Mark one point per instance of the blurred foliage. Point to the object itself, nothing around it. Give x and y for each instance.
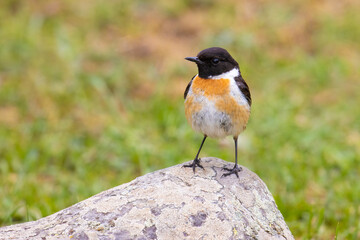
(91, 97)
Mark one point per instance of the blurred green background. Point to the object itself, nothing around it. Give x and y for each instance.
(91, 96)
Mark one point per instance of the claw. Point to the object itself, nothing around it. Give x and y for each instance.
(234, 170)
(194, 164)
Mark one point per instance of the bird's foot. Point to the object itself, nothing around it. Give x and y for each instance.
(233, 170)
(194, 164)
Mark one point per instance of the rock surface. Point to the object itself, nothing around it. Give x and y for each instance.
(172, 203)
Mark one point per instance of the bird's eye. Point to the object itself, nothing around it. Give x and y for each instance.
(215, 60)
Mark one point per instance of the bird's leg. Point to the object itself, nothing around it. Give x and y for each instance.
(236, 168)
(196, 162)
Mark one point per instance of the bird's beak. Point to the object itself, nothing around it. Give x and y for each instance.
(194, 59)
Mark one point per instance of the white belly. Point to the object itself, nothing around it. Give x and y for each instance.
(212, 122)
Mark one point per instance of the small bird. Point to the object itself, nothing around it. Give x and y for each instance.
(217, 100)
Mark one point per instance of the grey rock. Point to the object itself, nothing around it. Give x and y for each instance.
(172, 203)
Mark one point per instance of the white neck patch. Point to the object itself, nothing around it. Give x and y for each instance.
(230, 74)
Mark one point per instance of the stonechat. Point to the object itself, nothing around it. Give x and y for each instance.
(217, 100)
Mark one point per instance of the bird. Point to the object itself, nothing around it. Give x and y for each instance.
(217, 101)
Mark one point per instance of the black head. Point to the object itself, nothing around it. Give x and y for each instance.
(213, 61)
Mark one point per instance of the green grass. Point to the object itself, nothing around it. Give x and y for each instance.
(91, 97)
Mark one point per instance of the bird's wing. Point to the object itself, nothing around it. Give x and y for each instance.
(188, 87)
(240, 82)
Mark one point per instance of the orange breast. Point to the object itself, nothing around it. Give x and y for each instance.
(210, 87)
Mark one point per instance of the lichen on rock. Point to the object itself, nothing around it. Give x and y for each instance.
(172, 203)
